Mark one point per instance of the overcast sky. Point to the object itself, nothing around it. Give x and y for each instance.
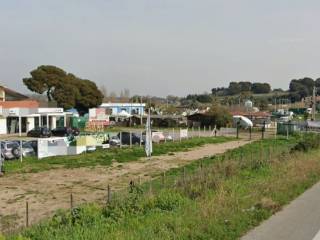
(161, 47)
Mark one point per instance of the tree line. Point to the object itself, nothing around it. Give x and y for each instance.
(302, 88)
(239, 87)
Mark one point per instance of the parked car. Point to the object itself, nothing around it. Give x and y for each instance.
(91, 148)
(125, 138)
(27, 149)
(65, 131)
(158, 137)
(39, 132)
(114, 141)
(10, 150)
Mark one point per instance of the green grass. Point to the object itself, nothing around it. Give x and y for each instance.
(105, 157)
(220, 197)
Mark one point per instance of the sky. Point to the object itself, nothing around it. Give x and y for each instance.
(161, 47)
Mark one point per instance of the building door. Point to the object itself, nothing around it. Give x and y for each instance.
(12, 125)
(24, 124)
(36, 122)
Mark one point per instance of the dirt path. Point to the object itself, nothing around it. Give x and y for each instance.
(50, 190)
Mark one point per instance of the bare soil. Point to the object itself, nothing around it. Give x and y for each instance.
(50, 190)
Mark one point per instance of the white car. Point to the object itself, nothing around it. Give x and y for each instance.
(244, 122)
(158, 137)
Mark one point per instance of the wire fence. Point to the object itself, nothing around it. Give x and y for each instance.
(36, 208)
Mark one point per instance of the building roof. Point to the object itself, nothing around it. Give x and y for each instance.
(251, 114)
(13, 93)
(123, 105)
(20, 104)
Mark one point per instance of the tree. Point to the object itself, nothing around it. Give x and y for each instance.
(44, 79)
(259, 88)
(245, 86)
(89, 95)
(65, 88)
(219, 116)
(302, 87)
(234, 88)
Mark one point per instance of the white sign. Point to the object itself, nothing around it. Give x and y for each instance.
(14, 111)
(183, 133)
(50, 110)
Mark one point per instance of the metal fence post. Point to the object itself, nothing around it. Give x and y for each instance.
(120, 139)
(173, 135)
(27, 214)
(130, 139)
(20, 150)
(108, 194)
(140, 138)
(71, 201)
(238, 123)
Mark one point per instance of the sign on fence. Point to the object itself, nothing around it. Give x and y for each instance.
(183, 133)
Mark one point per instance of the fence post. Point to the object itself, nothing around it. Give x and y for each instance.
(180, 135)
(192, 135)
(164, 179)
(150, 188)
(173, 136)
(199, 129)
(120, 139)
(21, 151)
(27, 214)
(140, 138)
(71, 201)
(238, 123)
(130, 139)
(108, 194)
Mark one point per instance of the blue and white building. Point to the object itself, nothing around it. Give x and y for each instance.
(118, 109)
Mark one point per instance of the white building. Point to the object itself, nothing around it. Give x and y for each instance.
(22, 120)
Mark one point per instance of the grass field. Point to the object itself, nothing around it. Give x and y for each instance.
(220, 197)
(105, 157)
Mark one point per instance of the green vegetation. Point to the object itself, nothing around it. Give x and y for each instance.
(105, 157)
(221, 197)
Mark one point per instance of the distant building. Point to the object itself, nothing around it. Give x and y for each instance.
(119, 109)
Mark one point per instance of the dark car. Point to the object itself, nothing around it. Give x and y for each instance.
(65, 132)
(39, 132)
(125, 138)
(114, 141)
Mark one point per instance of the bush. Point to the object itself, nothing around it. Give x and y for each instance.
(168, 201)
(309, 142)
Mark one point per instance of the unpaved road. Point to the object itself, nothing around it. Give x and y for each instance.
(50, 190)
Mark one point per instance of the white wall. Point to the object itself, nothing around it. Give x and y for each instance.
(53, 122)
(3, 126)
(30, 123)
